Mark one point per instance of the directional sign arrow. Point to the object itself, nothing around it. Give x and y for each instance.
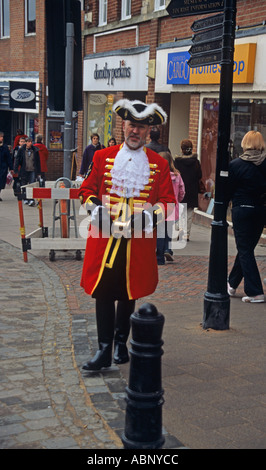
(205, 59)
(209, 35)
(177, 8)
(209, 47)
(208, 22)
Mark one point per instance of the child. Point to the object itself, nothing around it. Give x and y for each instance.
(164, 239)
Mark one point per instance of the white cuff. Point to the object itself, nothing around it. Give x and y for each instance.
(149, 227)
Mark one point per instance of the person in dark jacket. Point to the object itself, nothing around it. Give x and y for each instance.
(5, 162)
(247, 191)
(154, 143)
(89, 152)
(190, 169)
(28, 160)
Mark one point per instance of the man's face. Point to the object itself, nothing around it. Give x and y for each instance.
(95, 140)
(21, 142)
(135, 134)
(28, 144)
(1, 139)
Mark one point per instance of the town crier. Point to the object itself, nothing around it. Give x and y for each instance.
(127, 192)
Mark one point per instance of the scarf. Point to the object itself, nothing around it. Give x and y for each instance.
(130, 173)
(254, 156)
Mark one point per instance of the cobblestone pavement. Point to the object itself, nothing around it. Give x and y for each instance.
(44, 401)
(214, 382)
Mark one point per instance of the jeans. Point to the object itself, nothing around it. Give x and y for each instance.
(248, 222)
(28, 177)
(164, 232)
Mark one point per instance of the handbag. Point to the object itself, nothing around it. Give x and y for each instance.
(9, 178)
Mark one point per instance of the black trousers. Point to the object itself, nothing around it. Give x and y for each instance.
(248, 223)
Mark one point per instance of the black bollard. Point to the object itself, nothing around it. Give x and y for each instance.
(143, 423)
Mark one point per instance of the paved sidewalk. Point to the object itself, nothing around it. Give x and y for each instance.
(214, 382)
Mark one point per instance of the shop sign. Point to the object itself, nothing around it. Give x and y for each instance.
(22, 95)
(111, 74)
(179, 73)
(116, 73)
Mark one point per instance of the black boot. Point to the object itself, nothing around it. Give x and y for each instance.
(105, 316)
(102, 358)
(124, 310)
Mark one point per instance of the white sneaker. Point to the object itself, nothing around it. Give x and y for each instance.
(231, 291)
(32, 203)
(168, 256)
(253, 300)
(25, 201)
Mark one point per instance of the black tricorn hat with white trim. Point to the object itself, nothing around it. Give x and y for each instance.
(137, 111)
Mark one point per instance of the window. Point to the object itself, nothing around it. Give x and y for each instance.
(246, 114)
(102, 12)
(5, 18)
(55, 135)
(126, 9)
(30, 16)
(159, 4)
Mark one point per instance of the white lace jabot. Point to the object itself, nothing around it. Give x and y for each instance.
(130, 173)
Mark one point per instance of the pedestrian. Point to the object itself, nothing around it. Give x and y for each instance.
(111, 142)
(190, 170)
(16, 183)
(154, 141)
(127, 189)
(164, 236)
(28, 160)
(16, 149)
(89, 152)
(43, 153)
(247, 191)
(20, 134)
(5, 162)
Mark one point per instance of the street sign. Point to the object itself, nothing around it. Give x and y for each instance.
(200, 60)
(208, 22)
(209, 35)
(179, 8)
(209, 47)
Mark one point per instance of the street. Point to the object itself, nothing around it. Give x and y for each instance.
(214, 381)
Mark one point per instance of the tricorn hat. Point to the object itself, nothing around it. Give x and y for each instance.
(137, 111)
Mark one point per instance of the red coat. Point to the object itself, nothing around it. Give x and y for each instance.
(16, 140)
(43, 152)
(141, 267)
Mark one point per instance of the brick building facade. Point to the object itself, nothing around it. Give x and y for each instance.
(23, 64)
(189, 96)
(135, 50)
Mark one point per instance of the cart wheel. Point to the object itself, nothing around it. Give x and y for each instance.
(78, 255)
(52, 255)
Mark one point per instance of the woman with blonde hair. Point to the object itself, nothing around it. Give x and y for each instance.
(247, 191)
(164, 239)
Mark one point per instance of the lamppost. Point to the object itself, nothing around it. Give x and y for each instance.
(216, 299)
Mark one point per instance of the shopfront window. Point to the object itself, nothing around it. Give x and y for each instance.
(100, 116)
(32, 125)
(247, 114)
(55, 135)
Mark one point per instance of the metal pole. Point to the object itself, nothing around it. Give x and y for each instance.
(216, 299)
(68, 126)
(143, 424)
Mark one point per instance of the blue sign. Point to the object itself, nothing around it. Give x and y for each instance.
(178, 71)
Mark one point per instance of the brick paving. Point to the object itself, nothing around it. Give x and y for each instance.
(214, 381)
